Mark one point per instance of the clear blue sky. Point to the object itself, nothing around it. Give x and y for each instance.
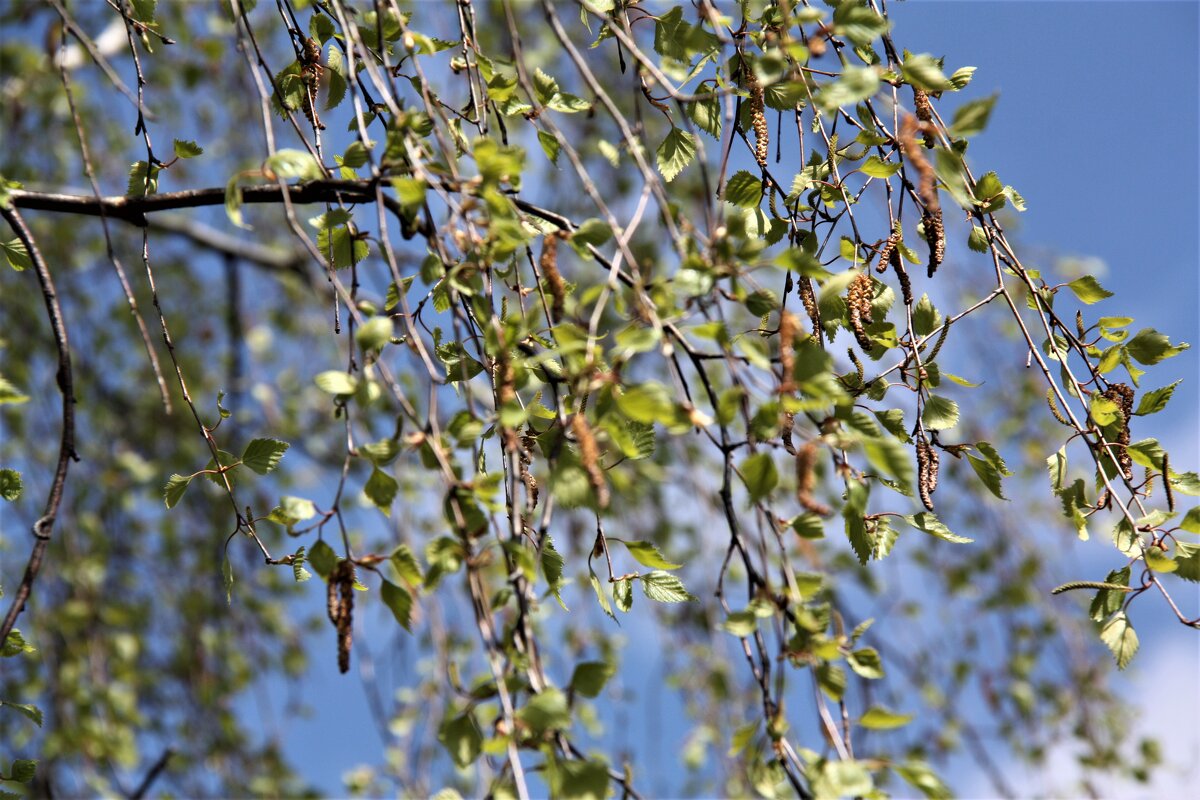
(1096, 127)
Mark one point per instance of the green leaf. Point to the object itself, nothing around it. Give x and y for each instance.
(971, 118)
(582, 780)
(1154, 401)
(601, 596)
(1108, 601)
(858, 23)
(854, 85)
(16, 255)
(926, 318)
(622, 591)
(322, 558)
(298, 570)
(866, 663)
(10, 484)
(461, 737)
(594, 232)
(550, 146)
(647, 402)
(10, 393)
(15, 645)
(23, 770)
(338, 240)
(874, 167)
(374, 334)
(336, 382)
(185, 148)
(400, 601)
(1088, 289)
(927, 522)
(406, 565)
(759, 474)
(262, 455)
(143, 179)
(1148, 346)
(663, 587)
(290, 163)
(888, 456)
(940, 413)
(381, 489)
(233, 202)
(1120, 637)
(546, 711)
(292, 510)
(706, 113)
(32, 712)
(1187, 557)
(743, 736)
(921, 776)
(924, 72)
(648, 555)
(744, 190)
(176, 486)
(1191, 520)
(879, 718)
(590, 676)
(740, 623)
(675, 153)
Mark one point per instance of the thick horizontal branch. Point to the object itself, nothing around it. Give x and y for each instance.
(134, 209)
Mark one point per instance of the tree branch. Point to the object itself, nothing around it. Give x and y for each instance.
(133, 209)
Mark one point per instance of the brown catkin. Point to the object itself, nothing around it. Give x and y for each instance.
(1122, 395)
(927, 471)
(858, 301)
(589, 454)
(905, 284)
(809, 300)
(1167, 484)
(548, 264)
(311, 72)
(340, 605)
(935, 235)
(926, 176)
(806, 479)
(924, 111)
(787, 424)
(758, 119)
(889, 253)
(788, 325)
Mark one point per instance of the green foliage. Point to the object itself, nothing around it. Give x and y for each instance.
(480, 413)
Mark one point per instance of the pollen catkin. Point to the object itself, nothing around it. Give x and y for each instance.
(924, 111)
(858, 301)
(589, 454)
(758, 119)
(905, 284)
(889, 253)
(548, 264)
(525, 459)
(1122, 395)
(935, 235)
(311, 72)
(806, 479)
(787, 423)
(340, 605)
(788, 325)
(927, 471)
(1167, 484)
(809, 300)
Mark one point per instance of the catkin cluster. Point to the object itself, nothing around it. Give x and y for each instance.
(858, 300)
(806, 479)
(931, 220)
(1122, 395)
(548, 264)
(928, 463)
(788, 326)
(924, 111)
(889, 253)
(589, 454)
(311, 72)
(340, 605)
(758, 119)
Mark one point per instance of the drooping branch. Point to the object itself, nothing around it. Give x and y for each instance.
(66, 447)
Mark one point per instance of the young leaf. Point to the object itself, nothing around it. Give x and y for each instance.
(10, 484)
(879, 718)
(1120, 637)
(176, 486)
(675, 153)
(590, 676)
(16, 255)
(759, 474)
(185, 148)
(262, 455)
(927, 522)
(336, 383)
(1088, 289)
(663, 587)
(381, 489)
(649, 555)
(400, 601)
